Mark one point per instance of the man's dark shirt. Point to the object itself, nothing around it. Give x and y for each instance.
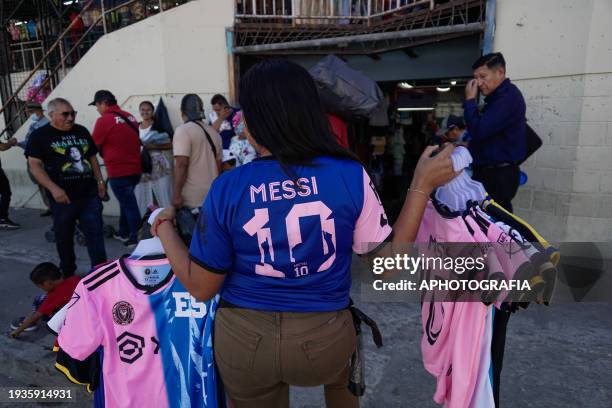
(66, 158)
(498, 132)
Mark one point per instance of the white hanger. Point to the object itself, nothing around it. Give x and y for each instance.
(147, 247)
(151, 246)
(456, 193)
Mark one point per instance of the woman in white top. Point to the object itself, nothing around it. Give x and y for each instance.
(155, 188)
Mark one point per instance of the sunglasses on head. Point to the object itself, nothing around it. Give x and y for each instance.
(69, 114)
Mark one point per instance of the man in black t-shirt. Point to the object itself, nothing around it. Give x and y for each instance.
(62, 158)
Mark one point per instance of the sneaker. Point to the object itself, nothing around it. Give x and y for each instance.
(130, 243)
(120, 238)
(5, 223)
(17, 322)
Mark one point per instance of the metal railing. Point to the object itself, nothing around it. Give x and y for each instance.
(71, 45)
(317, 12)
(25, 55)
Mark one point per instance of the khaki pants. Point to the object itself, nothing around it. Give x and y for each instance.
(259, 354)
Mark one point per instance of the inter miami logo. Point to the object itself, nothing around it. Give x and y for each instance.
(123, 313)
(147, 271)
(130, 347)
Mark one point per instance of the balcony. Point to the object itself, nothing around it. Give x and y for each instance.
(322, 26)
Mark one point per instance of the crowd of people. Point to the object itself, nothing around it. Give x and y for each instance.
(283, 318)
(62, 162)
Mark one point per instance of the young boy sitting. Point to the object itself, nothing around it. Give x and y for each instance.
(47, 277)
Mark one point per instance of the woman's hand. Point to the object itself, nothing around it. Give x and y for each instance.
(167, 214)
(432, 172)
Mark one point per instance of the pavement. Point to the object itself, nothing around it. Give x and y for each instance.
(556, 356)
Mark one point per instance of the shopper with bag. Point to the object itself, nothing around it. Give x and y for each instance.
(117, 136)
(275, 238)
(498, 141)
(197, 149)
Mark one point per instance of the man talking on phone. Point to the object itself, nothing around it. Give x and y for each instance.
(497, 131)
(221, 118)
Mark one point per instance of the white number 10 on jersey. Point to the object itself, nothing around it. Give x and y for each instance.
(255, 226)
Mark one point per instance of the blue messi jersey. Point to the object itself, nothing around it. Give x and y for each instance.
(156, 340)
(287, 246)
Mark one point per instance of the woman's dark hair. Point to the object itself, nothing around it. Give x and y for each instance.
(283, 112)
(192, 107)
(154, 126)
(147, 103)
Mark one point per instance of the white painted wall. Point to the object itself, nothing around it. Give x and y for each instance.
(182, 50)
(559, 53)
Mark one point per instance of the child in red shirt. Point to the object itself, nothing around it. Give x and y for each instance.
(47, 277)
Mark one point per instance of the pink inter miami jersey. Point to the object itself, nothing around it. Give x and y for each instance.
(453, 332)
(156, 338)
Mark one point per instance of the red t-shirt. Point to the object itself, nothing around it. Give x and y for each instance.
(58, 297)
(118, 143)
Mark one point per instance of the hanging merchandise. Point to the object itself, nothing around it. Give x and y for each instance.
(155, 338)
(344, 91)
(379, 144)
(380, 116)
(457, 334)
(162, 119)
(36, 92)
(398, 151)
(13, 30)
(23, 32)
(32, 31)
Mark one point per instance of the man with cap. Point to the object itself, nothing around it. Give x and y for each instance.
(117, 137)
(197, 155)
(34, 111)
(452, 131)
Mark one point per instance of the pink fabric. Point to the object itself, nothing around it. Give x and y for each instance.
(372, 226)
(453, 331)
(509, 252)
(91, 322)
(493, 264)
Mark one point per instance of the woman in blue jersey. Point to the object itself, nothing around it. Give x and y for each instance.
(275, 238)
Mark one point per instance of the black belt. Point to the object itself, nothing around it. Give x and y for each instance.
(493, 166)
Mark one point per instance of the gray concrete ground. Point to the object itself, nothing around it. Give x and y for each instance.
(557, 356)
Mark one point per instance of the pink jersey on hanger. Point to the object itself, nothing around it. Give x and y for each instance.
(155, 336)
(513, 259)
(454, 332)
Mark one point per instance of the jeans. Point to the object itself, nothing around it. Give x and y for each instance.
(88, 211)
(129, 220)
(5, 195)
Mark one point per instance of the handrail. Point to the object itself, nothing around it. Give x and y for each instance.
(21, 44)
(42, 61)
(63, 55)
